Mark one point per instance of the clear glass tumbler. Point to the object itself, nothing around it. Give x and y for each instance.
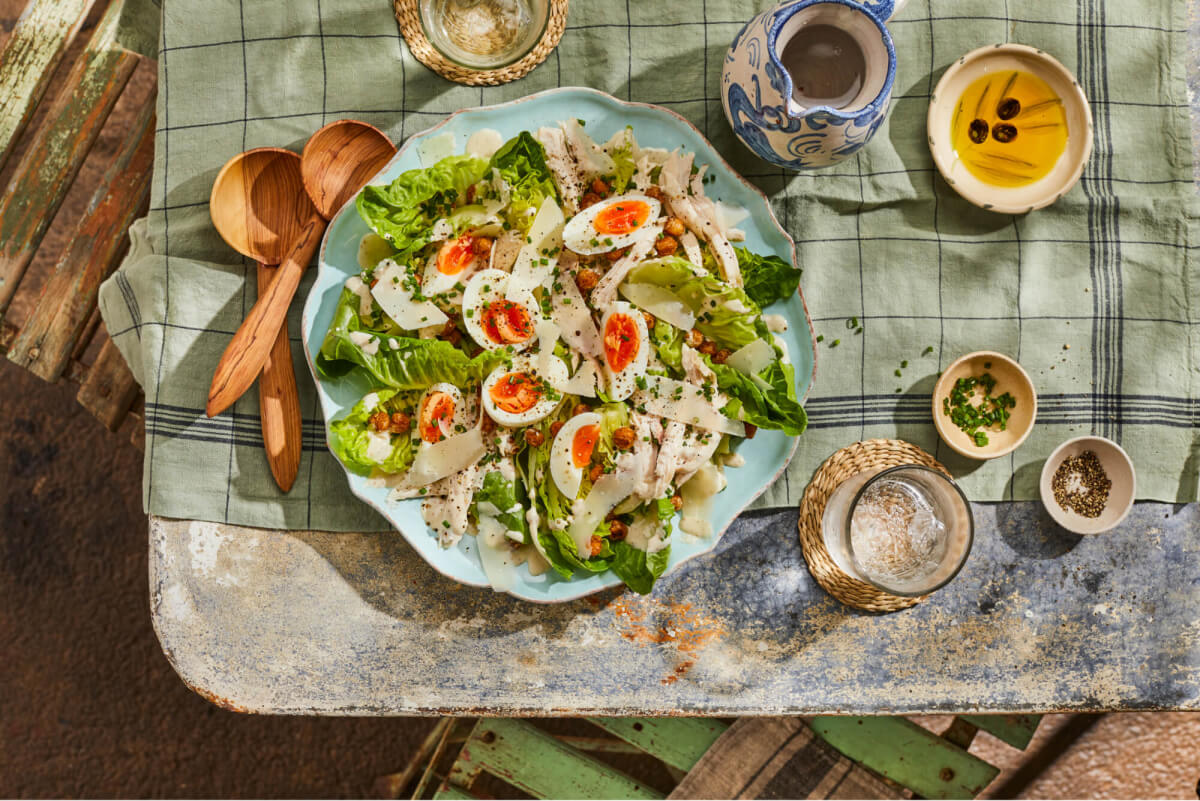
(484, 34)
(906, 530)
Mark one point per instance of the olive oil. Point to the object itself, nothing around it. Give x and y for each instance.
(1009, 128)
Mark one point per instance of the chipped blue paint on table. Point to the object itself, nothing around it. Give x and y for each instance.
(1039, 620)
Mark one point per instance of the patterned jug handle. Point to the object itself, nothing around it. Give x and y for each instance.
(883, 10)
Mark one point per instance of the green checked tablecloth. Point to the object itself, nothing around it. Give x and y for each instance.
(1110, 270)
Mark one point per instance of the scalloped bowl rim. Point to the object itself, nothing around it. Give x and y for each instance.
(587, 585)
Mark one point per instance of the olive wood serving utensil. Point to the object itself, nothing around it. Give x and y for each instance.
(336, 162)
(258, 206)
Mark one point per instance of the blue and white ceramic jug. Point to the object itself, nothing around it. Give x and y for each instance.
(770, 114)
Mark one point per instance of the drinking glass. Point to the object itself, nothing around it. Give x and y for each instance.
(484, 34)
(906, 530)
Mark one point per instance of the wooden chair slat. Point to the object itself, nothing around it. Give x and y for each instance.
(534, 761)
(48, 337)
(37, 43)
(56, 152)
(907, 754)
(679, 742)
(109, 389)
(452, 792)
(1016, 730)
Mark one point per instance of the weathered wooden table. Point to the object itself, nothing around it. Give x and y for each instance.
(1039, 620)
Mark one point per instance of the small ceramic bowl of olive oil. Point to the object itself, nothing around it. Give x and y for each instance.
(1009, 128)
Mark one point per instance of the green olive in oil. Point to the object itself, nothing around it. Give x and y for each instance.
(1009, 128)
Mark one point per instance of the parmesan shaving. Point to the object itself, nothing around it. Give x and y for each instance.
(662, 303)
(752, 357)
(685, 403)
(611, 489)
(440, 459)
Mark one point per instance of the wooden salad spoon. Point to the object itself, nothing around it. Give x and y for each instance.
(258, 206)
(336, 162)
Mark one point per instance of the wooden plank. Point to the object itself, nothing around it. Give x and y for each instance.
(961, 733)
(534, 761)
(907, 754)
(42, 34)
(1016, 730)
(44, 174)
(679, 742)
(109, 389)
(99, 240)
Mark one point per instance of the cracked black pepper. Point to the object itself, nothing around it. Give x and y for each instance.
(1081, 485)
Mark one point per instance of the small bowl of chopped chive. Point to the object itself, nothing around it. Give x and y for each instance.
(984, 405)
(1088, 485)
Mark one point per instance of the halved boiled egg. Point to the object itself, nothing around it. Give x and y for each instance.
(626, 349)
(610, 224)
(571, 452)
(456, 260)
(518, 395)
(495, 321)
(439, 412)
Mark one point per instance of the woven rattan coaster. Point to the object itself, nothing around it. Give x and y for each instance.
(409, 16)
(872, 454)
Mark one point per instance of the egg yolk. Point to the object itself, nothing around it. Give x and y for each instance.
(438, 408)
(506, 322)
(620, 341)
(456, 255)
(583, 443)
(516, 392)
(621, 218)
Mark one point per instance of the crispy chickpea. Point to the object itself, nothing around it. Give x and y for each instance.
(674, 227)
(599, 187)
(616, 255)
(580, 408)
(401, 422)
(589, 199)
(722, 355)
(695, 338)
(483, 245)
(666, 245)
(677, 501)
(487, 425)
(380, 421)
(617, 530)
(595, 546)
(707, 347)
(751, 430)
(450, 333)
(533, 437)
(623, 438)
(656, 193)
(586, 280)
(595, 473)
(555, 427)
(650, 320)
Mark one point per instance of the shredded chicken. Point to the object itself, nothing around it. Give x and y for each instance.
(447, 515)
(696, 452)
(605, 293)
(645, 451)
(570, 312)
(698, 213)
(670, 454)
(562, 167)
(691, 248)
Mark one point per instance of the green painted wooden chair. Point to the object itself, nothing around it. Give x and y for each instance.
(522, 755)
(60, 338)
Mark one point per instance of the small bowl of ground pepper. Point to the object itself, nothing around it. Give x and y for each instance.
(984, 405)
(1088, 485)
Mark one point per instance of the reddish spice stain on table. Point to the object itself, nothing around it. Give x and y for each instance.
(649, 621)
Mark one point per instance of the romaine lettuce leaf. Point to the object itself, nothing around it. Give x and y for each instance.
(521, 162)
(415, 364)
(637, 568)
(350, 437)
(501, 493)
(403, 212)
(724, 313)
(776, 408)
(767, 278)
(622, 156)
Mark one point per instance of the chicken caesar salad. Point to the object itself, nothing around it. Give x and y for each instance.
(564, 344)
